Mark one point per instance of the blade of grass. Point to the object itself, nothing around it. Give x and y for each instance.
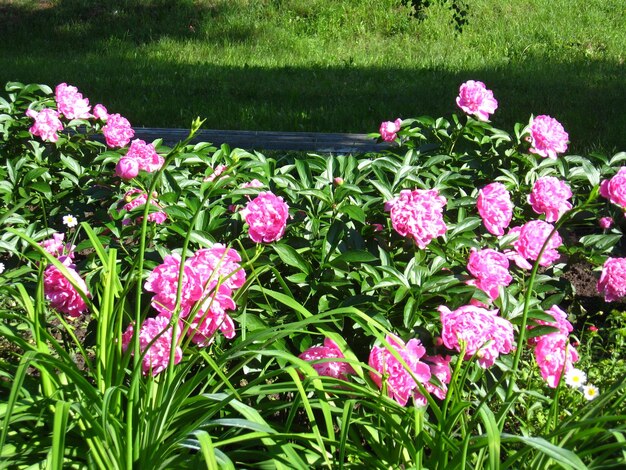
(57, 450)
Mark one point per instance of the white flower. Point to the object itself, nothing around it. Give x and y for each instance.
(70, 221)
(590, 391)
(1, 268)
(575, 378)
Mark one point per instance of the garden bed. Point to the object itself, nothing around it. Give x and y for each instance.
(456, 302)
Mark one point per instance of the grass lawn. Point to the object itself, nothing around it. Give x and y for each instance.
(322, 65)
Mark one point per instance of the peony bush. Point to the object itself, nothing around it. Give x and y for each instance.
(189, 306)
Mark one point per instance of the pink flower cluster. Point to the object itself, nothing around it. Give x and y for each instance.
(57, 247)
(550, 196)
(560, 321)
(418, 214)
(614, 189)
(612, 281)
(72, 105)
(135, 198)
(490, 269)
(484, 333)
(388, 130)
(606, 222)
(495, 208)
(255, 183)
(554, 354)
(440, 369)
(140, 156)
(531, 237)
(386, 367)
(157, 354)
(266, 216)
(547, 137)
(70, 102)
(117, 131)
(475, 99)
(47, 124)
(100, 112)
(209, 278)
(58, 289)
(330, 350)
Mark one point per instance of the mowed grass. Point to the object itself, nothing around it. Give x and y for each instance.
(326, 65)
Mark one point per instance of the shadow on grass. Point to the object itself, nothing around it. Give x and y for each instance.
(63, 42)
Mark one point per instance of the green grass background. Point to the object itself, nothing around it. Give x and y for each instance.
(326, 65)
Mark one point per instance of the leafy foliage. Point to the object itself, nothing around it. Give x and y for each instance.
(74, 394)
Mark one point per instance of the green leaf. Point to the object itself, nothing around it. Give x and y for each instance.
(42, 187)
(469, 223)
(354, 212)
(208, 451)
(61, 412)
(600, 241)
(291, 257)
(72, 165)
(493, 436)
(564, 457)
(353, 257)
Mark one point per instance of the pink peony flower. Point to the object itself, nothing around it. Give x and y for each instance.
(400, 384)
(100, 112)
(219, 264)
(550, 196)
(612, 281)
(532, 236)
(163, 281)
(330, 350)
(547, 137)
(71, 103)
(485, 333)
(117, 131)
(211, 317)
(491, 270)
(606, 222)
(157, 354)
(209, 277)
(47, 124)
(266, 216)
(614, 189)
(555, 357)
(475, 99)
(560, 321)
(440, 369)
(135, 198)
(144, 155)
(388, 130)
(418, 214)
(255, 183)
(61, 293)
(57, 247)
(127, 168)
(217, 171)
(495, 208)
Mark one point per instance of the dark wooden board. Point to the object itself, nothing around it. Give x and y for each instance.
(266, 140)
